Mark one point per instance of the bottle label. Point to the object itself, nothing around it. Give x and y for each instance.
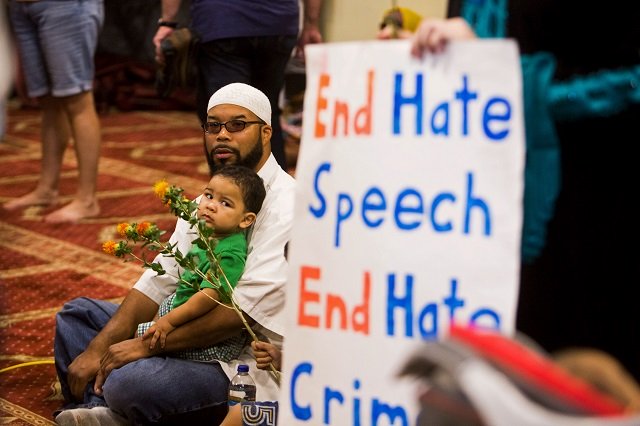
(236, 396)
(241, 392)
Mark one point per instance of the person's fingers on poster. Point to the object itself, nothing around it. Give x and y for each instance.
(433, 35)
(309, 35)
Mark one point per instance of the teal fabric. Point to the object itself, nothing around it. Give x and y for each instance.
(488, 18)
(542, 164)
(595, 95)
(546, 102)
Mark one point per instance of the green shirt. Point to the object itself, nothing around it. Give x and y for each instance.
(231, 253)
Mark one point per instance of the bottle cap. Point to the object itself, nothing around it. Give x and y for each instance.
(243, 368)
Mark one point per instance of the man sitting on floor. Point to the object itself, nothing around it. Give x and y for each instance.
(99, 362)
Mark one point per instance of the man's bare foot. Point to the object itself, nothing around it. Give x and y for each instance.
(33, 198)
(73, 212)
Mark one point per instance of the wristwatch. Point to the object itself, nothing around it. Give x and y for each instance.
(170, 24)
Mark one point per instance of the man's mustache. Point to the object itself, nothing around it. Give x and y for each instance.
(225, 149)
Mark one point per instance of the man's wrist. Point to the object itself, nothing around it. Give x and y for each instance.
(170, 24)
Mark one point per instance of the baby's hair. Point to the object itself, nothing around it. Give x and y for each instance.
(250, 184)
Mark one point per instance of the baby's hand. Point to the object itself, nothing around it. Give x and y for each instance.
(154, 334)
(159, 332)
(158, 335)
(266, 353)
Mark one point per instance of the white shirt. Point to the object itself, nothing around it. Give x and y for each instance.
(260, 290)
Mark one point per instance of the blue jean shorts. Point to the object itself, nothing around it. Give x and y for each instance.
(57, 41)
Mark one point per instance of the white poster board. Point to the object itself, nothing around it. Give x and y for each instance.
(408, 216)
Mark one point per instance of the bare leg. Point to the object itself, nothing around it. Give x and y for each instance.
(54, 135)
(85, 128)
(234, 416)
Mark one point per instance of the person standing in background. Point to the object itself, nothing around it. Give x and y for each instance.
(6, 70)
(581, 84)
(57, 42)
(244, 41)
(398, 22)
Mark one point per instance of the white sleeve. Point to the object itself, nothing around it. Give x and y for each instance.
(158, 287)
(260, 290)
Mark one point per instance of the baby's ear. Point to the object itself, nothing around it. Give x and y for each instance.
(247, 220)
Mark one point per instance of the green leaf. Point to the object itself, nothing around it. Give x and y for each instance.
(158, 268)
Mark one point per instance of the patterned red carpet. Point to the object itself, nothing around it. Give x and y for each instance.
(42, 265)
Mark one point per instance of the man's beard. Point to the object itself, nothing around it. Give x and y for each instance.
(250, 160)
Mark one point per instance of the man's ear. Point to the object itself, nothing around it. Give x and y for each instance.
(247, 220)
(267, 131)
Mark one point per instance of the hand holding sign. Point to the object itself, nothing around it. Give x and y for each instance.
(408, 216)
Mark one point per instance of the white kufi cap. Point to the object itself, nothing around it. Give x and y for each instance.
(245, 96)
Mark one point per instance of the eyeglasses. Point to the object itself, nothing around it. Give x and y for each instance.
(232, 126)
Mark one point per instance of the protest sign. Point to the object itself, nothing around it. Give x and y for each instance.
(408, 217)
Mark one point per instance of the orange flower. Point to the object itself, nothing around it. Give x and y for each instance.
(143, 228)
(122, 228)
(109, 247)
(160, 188)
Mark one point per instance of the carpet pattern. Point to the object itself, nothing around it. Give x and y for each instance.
(44, 265)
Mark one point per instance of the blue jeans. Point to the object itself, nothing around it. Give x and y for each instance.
(57, 41)
(258, 61)
(155, 390)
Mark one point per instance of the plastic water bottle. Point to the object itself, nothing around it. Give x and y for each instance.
(242, 386)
